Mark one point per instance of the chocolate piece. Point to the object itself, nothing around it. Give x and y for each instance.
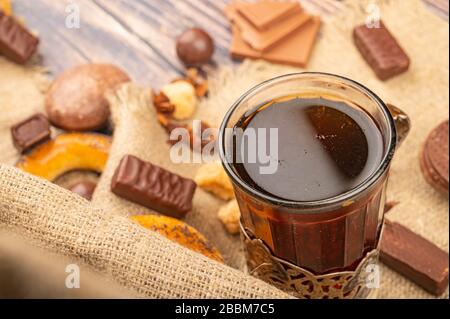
(294, 50)
(264, 40)
(153, 187)
(265, 14)
(414, 257)
(76, 99)
(194, 46)
(16, 42)
(434, 158)
(84, 189)
(381, 51)
(30, 132)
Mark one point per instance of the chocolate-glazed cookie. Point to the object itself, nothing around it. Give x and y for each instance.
(434, 158)
(76, 99)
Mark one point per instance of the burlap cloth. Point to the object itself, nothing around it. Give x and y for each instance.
(99, 234)
(22, 264)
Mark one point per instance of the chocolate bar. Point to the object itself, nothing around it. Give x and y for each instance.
(294, 50)
(414, 257)
(153, 187)
(264, 40)
(381, 50)
(265, 14)
(30, 132)
(16, 42)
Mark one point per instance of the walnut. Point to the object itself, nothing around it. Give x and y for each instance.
(162, 103)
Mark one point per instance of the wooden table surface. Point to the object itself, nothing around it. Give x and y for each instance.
(137, 35)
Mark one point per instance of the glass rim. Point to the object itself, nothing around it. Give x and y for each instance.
(343, 197)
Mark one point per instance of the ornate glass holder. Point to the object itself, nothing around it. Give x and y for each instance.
(302, 283)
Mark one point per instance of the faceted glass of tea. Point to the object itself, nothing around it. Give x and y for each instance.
(320, 215)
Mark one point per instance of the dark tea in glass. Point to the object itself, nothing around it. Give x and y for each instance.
(321, 209)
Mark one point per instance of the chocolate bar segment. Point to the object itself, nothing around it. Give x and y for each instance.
(16, 42)
(414, 257)
(30, 132)
(153, 187)
(381, 50)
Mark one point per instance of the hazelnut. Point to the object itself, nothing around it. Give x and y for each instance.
(182, 96)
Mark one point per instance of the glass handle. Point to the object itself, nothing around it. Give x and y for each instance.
(402, 122)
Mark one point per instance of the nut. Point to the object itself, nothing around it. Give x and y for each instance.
(162, 103)
(67, 152)
(169, 124)
(201, 89)
(182, 95)
(200, 84)
(76, 99)
(229, 215)
(213, 178)
(180, 233)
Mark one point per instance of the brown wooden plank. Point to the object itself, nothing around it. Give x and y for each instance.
(138, 35)
(100, 39)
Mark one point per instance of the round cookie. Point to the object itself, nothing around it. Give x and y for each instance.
(66, 153)
(434, 160)
(179, 232)
(76, 99)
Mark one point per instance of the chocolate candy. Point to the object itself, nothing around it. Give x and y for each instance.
(16, 42)
(84, 189)
(194, 46)
(381, 51)
(434, 158)
(414, 257)
(30, 132)
(153, 187)
(76, 99)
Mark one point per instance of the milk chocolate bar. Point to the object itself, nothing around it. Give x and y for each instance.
(30, 132)
(264, 40)
(153, 187)
(16, 42)
(265, 14)
(381, 50)
(294, 50)
(414, 257)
